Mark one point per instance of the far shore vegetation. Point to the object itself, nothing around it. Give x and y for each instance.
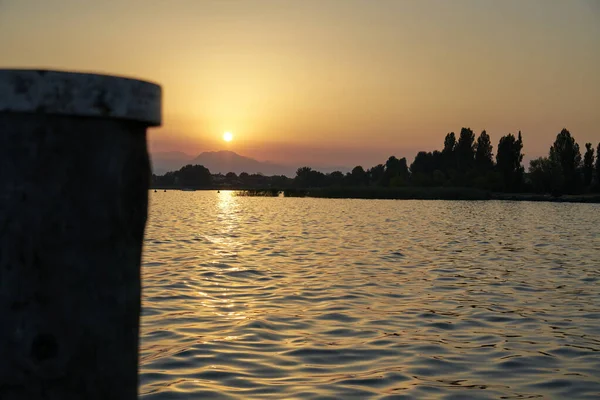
(465, 169)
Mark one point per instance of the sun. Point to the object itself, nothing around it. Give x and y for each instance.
(228, 136)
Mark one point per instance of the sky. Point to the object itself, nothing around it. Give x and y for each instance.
(331, 82)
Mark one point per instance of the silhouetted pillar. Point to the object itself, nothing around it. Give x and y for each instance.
(74, 177)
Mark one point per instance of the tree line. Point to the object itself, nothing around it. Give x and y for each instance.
(198, 176)
(466, 161)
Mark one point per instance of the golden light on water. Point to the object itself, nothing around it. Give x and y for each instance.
(228, 217)
(377, 298)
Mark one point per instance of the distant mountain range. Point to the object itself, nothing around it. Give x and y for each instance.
(226, 161)
(163, 162)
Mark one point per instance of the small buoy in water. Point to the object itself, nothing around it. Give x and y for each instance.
(165, 190)
(218, 191)
(154, 190)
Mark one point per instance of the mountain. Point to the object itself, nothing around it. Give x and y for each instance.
(227, 161)
(163, 162)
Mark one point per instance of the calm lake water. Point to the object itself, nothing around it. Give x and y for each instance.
(299, 298)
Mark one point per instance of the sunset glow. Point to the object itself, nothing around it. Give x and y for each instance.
(299, 199)
(341, 82)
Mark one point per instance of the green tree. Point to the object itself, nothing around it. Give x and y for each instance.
(565, 153)
(483, 154)
(508, 162)
(588, 164)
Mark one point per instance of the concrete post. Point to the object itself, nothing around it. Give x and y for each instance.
(74, 177)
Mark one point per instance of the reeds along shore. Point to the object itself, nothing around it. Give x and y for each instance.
(415, 193)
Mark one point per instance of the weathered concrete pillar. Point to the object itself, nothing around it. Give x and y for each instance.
(74, 176)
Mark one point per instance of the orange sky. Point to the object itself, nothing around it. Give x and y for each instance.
(341, 82)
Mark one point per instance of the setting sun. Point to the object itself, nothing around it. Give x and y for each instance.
(407, 209)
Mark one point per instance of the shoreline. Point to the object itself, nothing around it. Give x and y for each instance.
(402, 193)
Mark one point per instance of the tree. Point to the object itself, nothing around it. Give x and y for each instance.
(335, 178)
(422, 164)
(421, 170)
(508, 161)
(307, 177)
(375, 174)
(258, 180)
(194, 176)
(403, 172)
(465, 150)
(545, 176)
(231, 175)
(280, 181)
(357, 177)
(588, 164)
(167, 179)
(598, 166)
(483, 154)
(565, 153)
(449, 143)
(426, 162)
(396, 170)
(303, 176)
(448, 156)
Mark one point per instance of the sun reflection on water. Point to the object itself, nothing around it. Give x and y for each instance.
(227, 217)
(255, 298)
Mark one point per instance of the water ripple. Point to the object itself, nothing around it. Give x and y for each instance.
(351, 299)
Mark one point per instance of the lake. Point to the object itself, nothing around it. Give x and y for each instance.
(301, 298)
